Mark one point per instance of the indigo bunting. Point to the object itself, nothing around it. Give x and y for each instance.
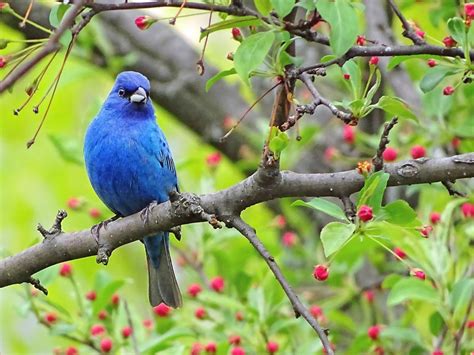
(130, 165)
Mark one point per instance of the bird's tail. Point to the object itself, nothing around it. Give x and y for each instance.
(162, 284)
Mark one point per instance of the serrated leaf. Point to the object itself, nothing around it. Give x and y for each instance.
(334, 235)
(342, 18)
(324, 206)
(263, 6)
(283, 7)
(457, 29)
(251, 53)
(412, 289)
(399, 212)
(231, 23)
(434, 76)
(395, 106)
(57, 13)
(210, 83)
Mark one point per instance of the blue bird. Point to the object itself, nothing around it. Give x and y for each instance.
(130, 165)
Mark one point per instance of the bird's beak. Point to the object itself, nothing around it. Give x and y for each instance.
(139, 96)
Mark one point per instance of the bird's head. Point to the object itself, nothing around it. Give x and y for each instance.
(131, 92)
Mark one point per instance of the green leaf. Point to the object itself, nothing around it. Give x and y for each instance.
(104, 295)
(401, 335)
(325, 206)
(398, 212)
(251, 53)
(460, 296)
(412, 289)
(374, 88)
(210, 83)
(279, 143)
(434, 76)
(457, 28)
(397, 60)
(334, 235)
(68, 148)
(263, 6)
(231, 23)
(390, 280)
(395, 106)
(57, 13)
(283, 7)
(342, 18)
(156, 344)
(373, 190)
(436, 323)
(352, 68)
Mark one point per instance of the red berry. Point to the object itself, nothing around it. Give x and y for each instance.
(467, 210)
(437, 352)
(365, 213)
(400, 253)
(3, 61)
(65, 270)
(347, 76)
(72, 351)
(348, 134)
(470, 324)
(102, 314)
(106, 345)
(449, 42)
(194, 290)
(420, 33)
(369, 295)
(237, 351)
(418, 151)
(234, 339)
(4, 5)
(148, 323)
(97, 329)
(162, 310)
(95, 213)
(389, 154)
(280, 221)
(360, 40)
(50, 317)
(239, 316)
(74, 203)
(272, 347)
(217, 284)
(316, 311)
(213, 159)
(91, 295)
(289, 239)
(379, 350)
(435, 217)
(127, 331)
(456, 142)
(448, 90)
(469, 10)
(115, 299)
(374, 61)
(321, 272)
(374, 331)
(200, 313)
(211, 347)
(425, 231)
(196, 349)
(432, 63)
(236, 34)
(418, 273)
(330, 153)
(144, 22)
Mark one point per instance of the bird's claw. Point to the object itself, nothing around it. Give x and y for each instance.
(176, 231)
(103, 252)
(145, 213)
(56, 228)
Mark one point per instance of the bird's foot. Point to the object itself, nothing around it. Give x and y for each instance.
(56, 228)
(145, 213)
(103, 252)
(176, 231)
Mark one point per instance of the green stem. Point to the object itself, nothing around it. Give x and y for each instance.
(78, 295)
(371, 74)
(388, 249)
(34, 24)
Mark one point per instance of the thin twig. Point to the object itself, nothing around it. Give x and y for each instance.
(449, 185)
(377, 160)
(408, 29)
(460, 333)
(249, 233)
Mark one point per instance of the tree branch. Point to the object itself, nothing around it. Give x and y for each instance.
(249, 233)
(69, 246)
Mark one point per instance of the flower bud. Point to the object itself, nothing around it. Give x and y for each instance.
(217, 284)
(374, 331)
(418, 151)
(106, 345)
(144, 22)
(236, 34)
(162, 310)
(374, 61)
(365, 213)
(321, 272)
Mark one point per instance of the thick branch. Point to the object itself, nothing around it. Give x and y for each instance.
(75, 245)
(249, 233)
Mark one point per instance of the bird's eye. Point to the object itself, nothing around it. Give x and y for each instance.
(121, 92)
